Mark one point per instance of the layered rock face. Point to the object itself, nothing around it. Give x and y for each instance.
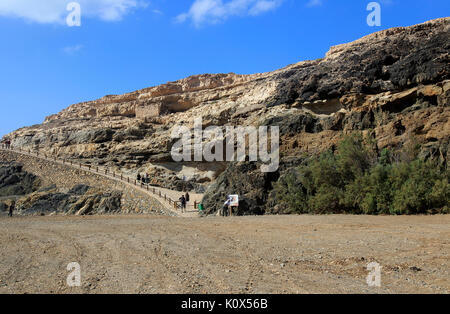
(394, 84)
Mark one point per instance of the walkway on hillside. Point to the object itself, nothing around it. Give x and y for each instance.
(168, 198)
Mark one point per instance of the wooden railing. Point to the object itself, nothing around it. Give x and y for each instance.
(105, 172)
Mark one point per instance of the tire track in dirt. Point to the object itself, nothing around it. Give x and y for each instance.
(251, 264)
(140, 254)
(255, 265)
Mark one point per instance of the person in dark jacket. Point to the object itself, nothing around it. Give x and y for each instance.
(187, 197)
(12, 207)
(183, 203)
(226, 207)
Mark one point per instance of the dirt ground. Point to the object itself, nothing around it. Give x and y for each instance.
(271, 254)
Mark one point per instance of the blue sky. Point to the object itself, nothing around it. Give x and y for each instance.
(125, 45)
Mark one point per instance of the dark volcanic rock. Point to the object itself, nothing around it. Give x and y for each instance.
(15, 181)
(80, 189)
(89, 136)
(390, 60)
(245, 179)
(80, 200)
(3, 208)
(294, 124)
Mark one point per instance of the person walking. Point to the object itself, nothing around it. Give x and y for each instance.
(12, 207)
(187, 198)
(183, 203)
(226, 207)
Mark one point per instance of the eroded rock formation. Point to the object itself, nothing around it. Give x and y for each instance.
(14, 181)
(394, 84)
(80, 200)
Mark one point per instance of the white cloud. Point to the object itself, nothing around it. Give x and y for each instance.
(215, 11)
(314, 3)
(54, 11)
(263, 6)
(72, 50)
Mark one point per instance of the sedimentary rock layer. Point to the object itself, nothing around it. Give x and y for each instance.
(394, 84)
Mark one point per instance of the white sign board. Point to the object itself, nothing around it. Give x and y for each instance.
(234, 200)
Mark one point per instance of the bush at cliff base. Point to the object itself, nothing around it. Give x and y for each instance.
(355, 179)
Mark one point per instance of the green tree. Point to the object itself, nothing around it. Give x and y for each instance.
(355, 179)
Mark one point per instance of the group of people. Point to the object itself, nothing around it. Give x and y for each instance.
(144, 179)
(6, 144)
(184, 199)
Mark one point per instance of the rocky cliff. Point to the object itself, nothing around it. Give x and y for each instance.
(393, 84)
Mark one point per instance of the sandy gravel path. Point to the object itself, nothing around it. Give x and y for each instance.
(272, 254)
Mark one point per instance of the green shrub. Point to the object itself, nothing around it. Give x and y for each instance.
(377, 192)
(290, 194)
(355, 179)
(440, 194)
(354, 157)
(420, 187)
